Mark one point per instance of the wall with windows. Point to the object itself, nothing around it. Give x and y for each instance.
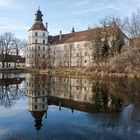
(36, 51)
(77, 54)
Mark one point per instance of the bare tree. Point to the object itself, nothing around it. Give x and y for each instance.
(6, 46)
(19, 45)
(133, 24)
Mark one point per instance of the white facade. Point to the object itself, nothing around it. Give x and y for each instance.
(76, 54)
(37, 47)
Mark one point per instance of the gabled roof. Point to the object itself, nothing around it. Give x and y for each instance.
(11, 58)
(38, 25)
(80, 36)
(69, 38)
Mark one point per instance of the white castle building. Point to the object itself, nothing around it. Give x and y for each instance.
(63, 50)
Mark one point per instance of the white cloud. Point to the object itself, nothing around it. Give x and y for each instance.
(5, 3)
(10, 4)
(7, 24)
(11, 25)
(81, 3)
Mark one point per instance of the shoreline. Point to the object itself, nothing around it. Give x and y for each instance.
(73, 72)
(79, 72)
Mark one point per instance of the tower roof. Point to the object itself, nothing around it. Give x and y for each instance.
(38, 25)
(38, 15)
(38, 118)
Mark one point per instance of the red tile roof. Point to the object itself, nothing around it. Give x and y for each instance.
(38, 25)
(79, 36)
(68, 38)
(12, 58)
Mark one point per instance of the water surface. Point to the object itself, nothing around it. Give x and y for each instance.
(40, 107)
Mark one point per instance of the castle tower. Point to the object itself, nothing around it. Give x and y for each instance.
(37, 42)
(36, 91)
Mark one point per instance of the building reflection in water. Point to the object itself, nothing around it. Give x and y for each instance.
(37, 96)
(93, 96)
(76, 94)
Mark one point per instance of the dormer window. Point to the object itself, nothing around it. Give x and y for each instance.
(36, 34)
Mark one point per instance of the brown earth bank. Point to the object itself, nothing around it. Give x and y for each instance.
(85, 72)
(15, 70)
(126, 64)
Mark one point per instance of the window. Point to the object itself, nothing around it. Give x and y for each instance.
(35, 40)
(77, 88)
(85, 88)
(35, 106)
(43, 99)
(77, 54)
(43, 92)
(86, 44)
(39, 48)
(43, 41)
(43, 48)
(38, 92)
(85, 61)
(85, 53)
(43, 34)
(35, 99)
(36, 34)
(43, 106)
(43, 56)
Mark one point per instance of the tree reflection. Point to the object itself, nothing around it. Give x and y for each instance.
(10, 90)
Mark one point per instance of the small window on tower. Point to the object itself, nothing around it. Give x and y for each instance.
(36, 34)
(43, 41)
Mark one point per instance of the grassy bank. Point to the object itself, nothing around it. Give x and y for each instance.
(85, 72)
(15, 70)
(125, 64)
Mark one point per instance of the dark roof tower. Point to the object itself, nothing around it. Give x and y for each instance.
(39, 15)
(38, 24)
(38, 119)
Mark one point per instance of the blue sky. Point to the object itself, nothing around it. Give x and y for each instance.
(17, 16)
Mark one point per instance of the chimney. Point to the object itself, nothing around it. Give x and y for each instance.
(60, 35)
(73, 30)
(47, 25)
(113, 23)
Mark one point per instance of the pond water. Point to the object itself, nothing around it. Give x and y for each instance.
(41, 107)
